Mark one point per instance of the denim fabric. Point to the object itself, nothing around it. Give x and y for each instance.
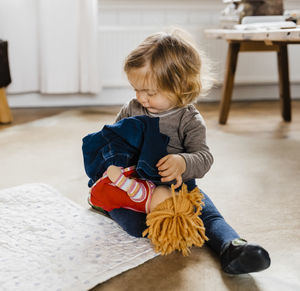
(217, 229)
(131, 141)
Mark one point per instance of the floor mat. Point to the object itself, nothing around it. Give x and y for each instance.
(48, 242)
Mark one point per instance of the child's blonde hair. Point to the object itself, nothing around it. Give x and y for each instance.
(175, 224)
(173, 62)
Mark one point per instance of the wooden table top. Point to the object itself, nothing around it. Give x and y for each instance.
(286, 35)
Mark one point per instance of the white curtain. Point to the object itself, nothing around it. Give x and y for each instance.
(52, 45)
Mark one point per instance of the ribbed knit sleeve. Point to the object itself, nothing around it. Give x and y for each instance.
(196, 152)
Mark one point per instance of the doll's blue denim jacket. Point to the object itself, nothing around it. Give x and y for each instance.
(130, 141)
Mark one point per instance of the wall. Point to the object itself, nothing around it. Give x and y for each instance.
(124, 23)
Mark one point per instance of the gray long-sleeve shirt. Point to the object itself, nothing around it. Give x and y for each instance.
(187, 131)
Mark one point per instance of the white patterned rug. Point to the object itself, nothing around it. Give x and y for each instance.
(47, 242)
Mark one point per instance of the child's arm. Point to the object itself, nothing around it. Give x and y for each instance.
(135, 190)
(197, 156)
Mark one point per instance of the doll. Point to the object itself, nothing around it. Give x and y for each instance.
(172, 217)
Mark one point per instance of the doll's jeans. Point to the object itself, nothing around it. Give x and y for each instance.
(217, 229)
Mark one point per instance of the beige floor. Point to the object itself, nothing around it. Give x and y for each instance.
(254, 182)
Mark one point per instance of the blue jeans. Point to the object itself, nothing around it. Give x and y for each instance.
(217, 229)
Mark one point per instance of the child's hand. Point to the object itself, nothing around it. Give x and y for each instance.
(171, 167)
(113, 173)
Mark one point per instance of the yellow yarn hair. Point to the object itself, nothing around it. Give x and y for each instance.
(175, 223)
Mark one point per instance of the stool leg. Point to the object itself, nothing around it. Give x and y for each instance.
(231, 62)
(5, 113)
(284, 82)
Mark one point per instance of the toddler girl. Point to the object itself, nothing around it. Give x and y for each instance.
(165, 72)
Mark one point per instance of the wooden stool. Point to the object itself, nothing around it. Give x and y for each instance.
(5, 113)
(5, 80)
(236, 46)
(252, 41)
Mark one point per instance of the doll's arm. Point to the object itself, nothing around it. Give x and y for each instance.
(135, 190)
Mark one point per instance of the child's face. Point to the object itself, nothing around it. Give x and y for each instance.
(147, 93)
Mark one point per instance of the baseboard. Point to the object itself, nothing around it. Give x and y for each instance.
(121, 95)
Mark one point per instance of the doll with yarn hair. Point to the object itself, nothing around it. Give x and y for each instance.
(173, 221)
(174, 224)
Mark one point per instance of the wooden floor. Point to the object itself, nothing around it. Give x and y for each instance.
(260, 118)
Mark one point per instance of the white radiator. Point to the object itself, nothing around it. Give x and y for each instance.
(116, 42)
(123, 24)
